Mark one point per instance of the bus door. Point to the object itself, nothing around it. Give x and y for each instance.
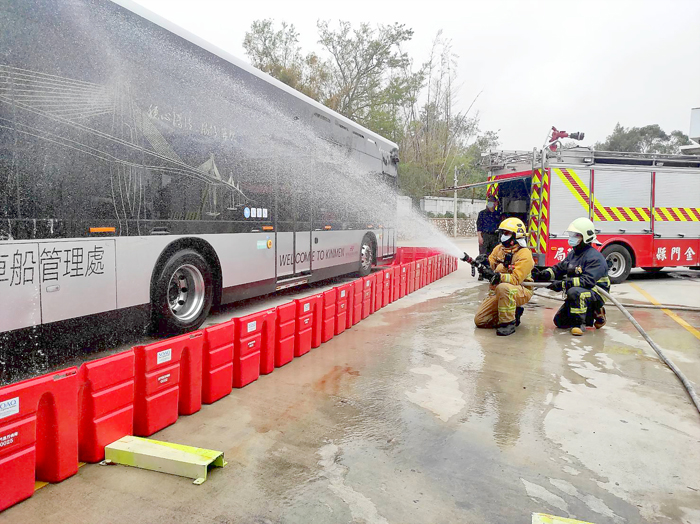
(293, 231)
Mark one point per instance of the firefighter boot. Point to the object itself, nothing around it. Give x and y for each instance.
(599, 318)
(577, 331)
(503, 330)
(518, 313)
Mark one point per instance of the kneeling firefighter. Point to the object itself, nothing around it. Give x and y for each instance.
(582, 269)
(509, 265)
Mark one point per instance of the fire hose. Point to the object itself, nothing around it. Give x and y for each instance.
(684, 380)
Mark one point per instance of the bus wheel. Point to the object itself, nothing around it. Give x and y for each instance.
(652, 270)
(619, 262)
(183, 293)
(366, 256)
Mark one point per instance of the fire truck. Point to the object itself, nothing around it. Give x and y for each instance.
(645, 207)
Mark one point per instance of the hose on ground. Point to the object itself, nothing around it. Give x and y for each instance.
(686, 383)
(637, 306)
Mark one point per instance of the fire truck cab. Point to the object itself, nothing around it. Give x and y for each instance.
(645, 207)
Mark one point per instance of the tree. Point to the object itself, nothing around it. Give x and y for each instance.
(647, 139)
(366, 65)
(277, 52)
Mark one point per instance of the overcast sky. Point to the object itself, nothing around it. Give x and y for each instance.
(577, 65)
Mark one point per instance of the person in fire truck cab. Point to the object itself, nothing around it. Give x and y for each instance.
(487, 228)
(509, 265)
(578, 274)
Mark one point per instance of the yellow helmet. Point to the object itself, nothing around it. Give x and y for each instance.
(514, 225)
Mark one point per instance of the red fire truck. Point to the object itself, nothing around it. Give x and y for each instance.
(646, 207)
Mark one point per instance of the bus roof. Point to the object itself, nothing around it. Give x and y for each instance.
(194, 39)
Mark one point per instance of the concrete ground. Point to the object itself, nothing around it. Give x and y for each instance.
(415, 416)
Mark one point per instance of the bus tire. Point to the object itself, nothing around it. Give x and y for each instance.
(182, 294)
(619, 262)
(366, 256)
(652, 270)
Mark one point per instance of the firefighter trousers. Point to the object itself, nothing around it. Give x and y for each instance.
(579, 308)
(499, 306)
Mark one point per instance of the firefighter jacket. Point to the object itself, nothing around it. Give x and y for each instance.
(584, 266)
(514, 263)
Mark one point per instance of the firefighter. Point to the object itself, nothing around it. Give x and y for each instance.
(487, 228)
(509, 265)
(582, 269)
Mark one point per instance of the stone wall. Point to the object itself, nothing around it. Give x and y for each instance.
(466, 227)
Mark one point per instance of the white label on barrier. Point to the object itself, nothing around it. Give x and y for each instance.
(9, 407)
(252, 326)
(387, 275)
(8, 439)
(403, 270)
(369, 283)
(163, 379)
(307, 307)
(251, 343)
(164, 356)
(342, 294)
(306, 321)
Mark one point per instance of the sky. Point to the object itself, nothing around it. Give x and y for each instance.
(577, 65)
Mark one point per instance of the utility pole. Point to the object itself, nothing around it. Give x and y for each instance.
(454, 216)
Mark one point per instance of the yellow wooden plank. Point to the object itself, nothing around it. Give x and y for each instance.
(543, 518)
(165, 457)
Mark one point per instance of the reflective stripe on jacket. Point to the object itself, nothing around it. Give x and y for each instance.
(520, 267)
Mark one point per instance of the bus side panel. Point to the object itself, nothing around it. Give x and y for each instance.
(136, 258)
(78, 278)
(335, 248)
(245, 258)
(285, 254)
(19, 285)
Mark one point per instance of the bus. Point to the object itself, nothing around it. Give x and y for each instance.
(144, 170)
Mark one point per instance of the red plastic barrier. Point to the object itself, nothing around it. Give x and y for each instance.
(329, 308)
(254, 346)
(38, 433)
(396, 283)
(378, 291)
(309, 324)
(411, 278)
(419, 275)
(343, 307)
(429, 270)
(402, 280)
(388, 285)
(217, 362)
(286, 333)
(358, 292)
(168, 382)
(368, 283)
(106, 396)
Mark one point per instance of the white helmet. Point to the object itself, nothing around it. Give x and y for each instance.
(585, 228)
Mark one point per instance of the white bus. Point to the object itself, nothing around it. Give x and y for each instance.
(143, 169)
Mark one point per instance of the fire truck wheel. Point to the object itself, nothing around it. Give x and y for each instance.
(183, 293)
(652, 270)
(619, 262)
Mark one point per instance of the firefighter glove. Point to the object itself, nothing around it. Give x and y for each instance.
(540, 275)
(496, 279)
(557, 285)
(482, 260)
(569, 283)
(487, 272)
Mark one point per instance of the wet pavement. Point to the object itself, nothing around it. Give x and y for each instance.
(414, 416)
